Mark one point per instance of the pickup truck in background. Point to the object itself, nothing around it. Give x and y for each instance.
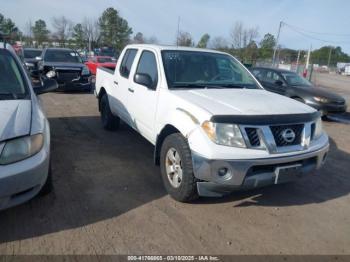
(214, 128)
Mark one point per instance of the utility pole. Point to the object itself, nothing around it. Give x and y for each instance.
(298, 58)
(178, 31)
(329, 56)
(276, 46)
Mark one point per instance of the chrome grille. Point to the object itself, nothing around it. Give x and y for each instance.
(277, 132)
(253, 136)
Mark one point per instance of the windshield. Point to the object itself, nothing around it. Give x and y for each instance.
(31, 53)
(104, 60)
(191, 69)
(12, 85)
(57, 55)
(294, 79)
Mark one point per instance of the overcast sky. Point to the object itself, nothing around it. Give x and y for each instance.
(216, 17)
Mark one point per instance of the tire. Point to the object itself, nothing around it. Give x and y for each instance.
(109, 121)
(186, 189)
(48, 186)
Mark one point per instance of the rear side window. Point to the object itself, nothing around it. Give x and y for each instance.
(127, 62)
(148, 65)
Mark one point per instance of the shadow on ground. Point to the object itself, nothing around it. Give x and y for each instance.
(100, 175)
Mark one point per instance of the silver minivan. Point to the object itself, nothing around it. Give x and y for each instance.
(25, 169)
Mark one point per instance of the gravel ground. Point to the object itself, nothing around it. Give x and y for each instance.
(109, 199)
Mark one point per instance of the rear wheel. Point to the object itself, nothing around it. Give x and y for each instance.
(109, 121)
(176, 168)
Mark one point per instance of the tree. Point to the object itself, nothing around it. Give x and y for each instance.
(241, 37)
(251, 52)
(79, 36)
(40, 32)
(219, 43)
(321, 55)
(91, 30)
(203, 42)
(139, 39)
(8, 27)
(184, 39)
(267, 45)
(115, 31)
(63, 28)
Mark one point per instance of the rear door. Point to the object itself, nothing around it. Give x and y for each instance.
(143, 101)
(121, 86)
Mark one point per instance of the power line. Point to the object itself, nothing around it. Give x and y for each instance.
(315, 38)
(313, 32)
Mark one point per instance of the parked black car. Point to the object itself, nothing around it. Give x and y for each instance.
(31, 57)
(66, 67)
(290, 84)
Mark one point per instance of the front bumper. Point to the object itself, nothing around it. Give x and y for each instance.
(328, 108)
(81, 84)
(21, 181)
(251, 173)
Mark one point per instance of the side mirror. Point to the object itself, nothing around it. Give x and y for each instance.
(48, 85)
(278, 83)
(145, 80)
(38, 58)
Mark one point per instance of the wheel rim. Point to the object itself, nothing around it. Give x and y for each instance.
(173, 167)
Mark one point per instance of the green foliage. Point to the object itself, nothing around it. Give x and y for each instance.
(115, 31)
(40, 32)
(79, 36)
(203, 42)
(8, 27)
(321, 56)
(267, 45)
(184, 39)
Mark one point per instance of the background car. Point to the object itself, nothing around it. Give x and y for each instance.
(100, 61)
(66, 67)
(31, 58)
(290, 84)
(25, 169)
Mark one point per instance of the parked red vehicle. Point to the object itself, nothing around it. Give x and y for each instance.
(100, 61)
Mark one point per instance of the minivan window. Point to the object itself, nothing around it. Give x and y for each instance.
(62, 55)
(148, 65)
(127, 62)
(193, 69)
(12, 83)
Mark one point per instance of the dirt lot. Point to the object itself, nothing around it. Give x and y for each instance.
(109, 199)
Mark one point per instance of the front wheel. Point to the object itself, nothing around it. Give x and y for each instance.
(176, 169)
(109, 121)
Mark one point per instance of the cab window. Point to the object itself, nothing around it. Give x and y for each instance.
(148, 65)
(127, 62)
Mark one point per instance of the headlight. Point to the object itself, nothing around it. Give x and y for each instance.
(21, 148)
(321, 99)
(318, 128)
(85, 71)
(224, 134)
(30, 65)
(51, 74)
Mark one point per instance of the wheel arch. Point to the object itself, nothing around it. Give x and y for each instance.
(99, 96)
(166, 131)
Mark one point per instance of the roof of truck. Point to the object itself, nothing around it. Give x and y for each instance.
(172, 47)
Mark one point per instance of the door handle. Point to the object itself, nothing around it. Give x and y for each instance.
(116, 83)
(131, 90)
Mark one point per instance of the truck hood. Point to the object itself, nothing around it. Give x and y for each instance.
(15, 118)
(242, 102)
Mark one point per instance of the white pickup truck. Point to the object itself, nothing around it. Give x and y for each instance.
(214, 128)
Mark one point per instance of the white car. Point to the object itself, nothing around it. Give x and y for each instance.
(214, 128)
(24, 134)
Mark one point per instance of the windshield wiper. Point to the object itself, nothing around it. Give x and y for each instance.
(7, 94)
